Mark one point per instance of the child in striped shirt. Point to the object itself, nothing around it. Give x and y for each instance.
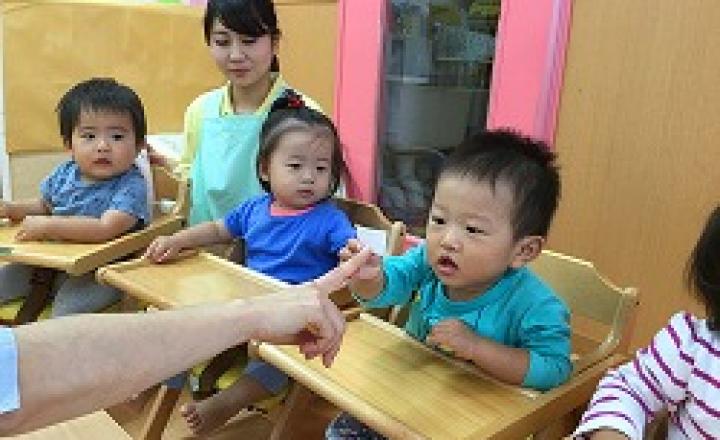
(679, 371)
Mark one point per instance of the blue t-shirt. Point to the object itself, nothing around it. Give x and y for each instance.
(520, 310)
(294, 248)
(68, 194)
(9, 392)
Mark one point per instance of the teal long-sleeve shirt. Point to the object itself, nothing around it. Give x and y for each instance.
(519, 310)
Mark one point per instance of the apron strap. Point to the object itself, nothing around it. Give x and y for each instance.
(211, 103)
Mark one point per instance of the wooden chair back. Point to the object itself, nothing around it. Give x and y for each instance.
(370, 216)
(600, 311)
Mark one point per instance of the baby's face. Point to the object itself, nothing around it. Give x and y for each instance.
(103, 144)
(300, 169)
(470, 242)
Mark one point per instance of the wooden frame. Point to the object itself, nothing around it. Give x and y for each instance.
(199, 277)
(395, 384)
(97, 425)
(600, 311)
(195, 279)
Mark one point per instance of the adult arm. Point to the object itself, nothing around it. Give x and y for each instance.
(78, 364)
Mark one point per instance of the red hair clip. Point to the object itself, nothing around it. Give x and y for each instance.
(294, 101)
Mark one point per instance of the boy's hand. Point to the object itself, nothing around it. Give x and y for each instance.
(454, 336)
(369, 270)
(33, 227)
(165, 248)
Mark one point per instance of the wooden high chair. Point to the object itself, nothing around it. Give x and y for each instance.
(203, 277)
(169, 213)
(600, 311)
(373, 226)
(396, 384)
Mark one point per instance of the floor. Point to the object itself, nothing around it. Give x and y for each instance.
(250, 426)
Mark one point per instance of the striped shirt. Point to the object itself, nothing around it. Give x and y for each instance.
(679, 371)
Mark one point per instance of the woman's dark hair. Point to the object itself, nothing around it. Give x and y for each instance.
(253, 18)
(703, 269)
(289, 112)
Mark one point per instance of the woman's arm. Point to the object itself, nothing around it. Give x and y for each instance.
(78, 364)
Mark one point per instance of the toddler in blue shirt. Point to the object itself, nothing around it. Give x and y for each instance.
(96, 196)
(469, 291)
(292, 232)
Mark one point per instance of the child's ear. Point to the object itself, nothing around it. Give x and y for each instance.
(264, 172)
(526, 250)
(67, 145)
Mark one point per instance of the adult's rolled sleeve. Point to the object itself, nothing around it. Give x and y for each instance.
(9, 392)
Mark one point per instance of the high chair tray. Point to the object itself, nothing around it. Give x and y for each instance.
(404, 389)
(195, 279)
(76, 258)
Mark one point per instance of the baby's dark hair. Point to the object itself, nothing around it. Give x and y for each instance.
(100, 95)
(289, 112)
(526, 165)
(702, 273)
(253, 18)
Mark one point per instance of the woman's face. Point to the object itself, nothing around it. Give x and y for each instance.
(244, 60)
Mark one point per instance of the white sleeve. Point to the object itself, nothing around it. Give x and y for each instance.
(9, 392)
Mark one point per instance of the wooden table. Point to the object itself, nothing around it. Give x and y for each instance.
(197, 279)
(404, 389)
(382, 376)
(93, 426)
(77, 258)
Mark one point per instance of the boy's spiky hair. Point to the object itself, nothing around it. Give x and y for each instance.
(525, 164)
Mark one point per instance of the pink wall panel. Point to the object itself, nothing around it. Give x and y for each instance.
(527, 75)
(529, 60)
(358, 79)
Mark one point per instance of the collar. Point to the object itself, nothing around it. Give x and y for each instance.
(278, 83)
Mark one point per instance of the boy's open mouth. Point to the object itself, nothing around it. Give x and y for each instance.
(446, 266)
(101, 162)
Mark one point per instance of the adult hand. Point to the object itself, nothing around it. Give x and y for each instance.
(304, 315)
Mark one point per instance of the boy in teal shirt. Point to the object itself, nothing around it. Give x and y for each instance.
(493, 204)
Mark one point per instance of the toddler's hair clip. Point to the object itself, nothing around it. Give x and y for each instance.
(294, 101)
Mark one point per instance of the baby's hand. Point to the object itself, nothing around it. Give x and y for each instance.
(163, 249)
(33, 227)
(452, 335)
(370, 270)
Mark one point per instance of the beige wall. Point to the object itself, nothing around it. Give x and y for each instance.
(638, 142)
(158, 50)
